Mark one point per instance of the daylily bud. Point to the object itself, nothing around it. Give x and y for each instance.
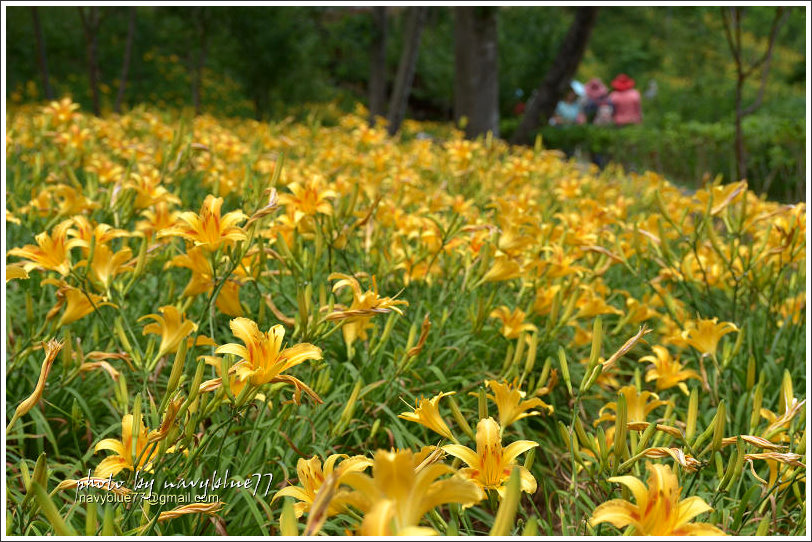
(530, 458)
(531, 528)
(530, 361)
(729, 472)
(751, 373)
(690, 417)
(597, 337)
(177, 371)
(288, 525)
(503, 523)
(602, 446)
(787, 395)
(349, 409)
(226, 380)
(565, 370)
(645, 437)
(482, 404)
(620, 429)
(374, 429)
(582, 436)
(136, 423)
(718, 427)
(459, 418)
(764, 526)
(755, 415)
(142, 258)
(40, 476)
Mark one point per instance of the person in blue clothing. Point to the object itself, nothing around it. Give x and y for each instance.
(569, 110)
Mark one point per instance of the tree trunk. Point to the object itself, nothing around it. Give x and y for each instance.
(42, 59)
(198, 57)
(377, 69)
(476, 70)
(416, 20)
(731, 17)
(125, 66)
(560, 74)
(741, 155)
(90, 25)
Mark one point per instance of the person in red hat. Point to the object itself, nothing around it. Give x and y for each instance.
(626, 101)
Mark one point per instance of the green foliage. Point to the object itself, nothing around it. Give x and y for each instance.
(692, 151)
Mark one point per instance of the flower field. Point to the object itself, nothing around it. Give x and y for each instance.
(222, 326)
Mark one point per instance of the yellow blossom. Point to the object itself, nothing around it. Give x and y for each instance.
(704, 334)
(262, 358)
(512, 321)
(657, 510)
(364, 306)
(667, 371)
(208, 229)
(51, 252)
(491, 464)
(427, 413)
(403, 488)
(312, 475)
(510, 404)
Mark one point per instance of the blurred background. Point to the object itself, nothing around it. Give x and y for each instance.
(723, 90)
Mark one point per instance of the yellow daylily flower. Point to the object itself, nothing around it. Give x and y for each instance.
(86, 231)
(658, 510)
(312, 475)
(490, 465)
(512, 321)
(106, 264)
(262, 359)
(173, 328)
(122, 458)
(52, 251)
(403, 488)
(15, 271)
(364, 306)
(638, 405)
(308, 199)
(208, 229)
(667, 371)
(503, 268)
(201, 281)
(52, 348)
(427, 413)
(77, 303)
(510, 404)
(704, 334)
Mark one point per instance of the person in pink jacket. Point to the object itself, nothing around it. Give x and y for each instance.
(626, 101)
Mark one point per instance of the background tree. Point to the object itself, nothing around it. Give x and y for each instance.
(415, 22)
(91, 21)
(197, 53)
(731, 17)
(125, 64)
(476, 69)
(559, 75)
(377, 68)
(42, 58)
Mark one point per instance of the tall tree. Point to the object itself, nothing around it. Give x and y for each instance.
(476, 69)
(42, 59)
(731, 17)
(558, 77)
(125, 65)
(415, 22)
(197, 54)
(377, 68)
(91, 20)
